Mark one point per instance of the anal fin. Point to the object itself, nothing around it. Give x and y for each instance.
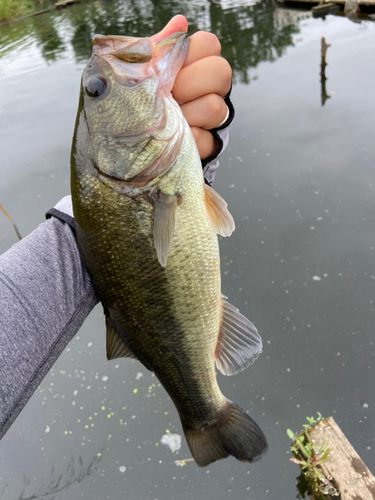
(116, 348)
(239, 343)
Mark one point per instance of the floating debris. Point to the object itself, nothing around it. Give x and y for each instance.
(181, 463)
(105, 378)
(317, 278)
(173, 441)
(139, 375)
(90, 344)
(122, 468)
(365, 405)
(47, 429)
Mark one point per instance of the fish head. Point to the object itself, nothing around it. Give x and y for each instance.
(124, 88)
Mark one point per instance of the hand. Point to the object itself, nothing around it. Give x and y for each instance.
(201, 84)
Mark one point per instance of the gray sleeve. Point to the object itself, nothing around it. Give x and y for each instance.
(45, 295)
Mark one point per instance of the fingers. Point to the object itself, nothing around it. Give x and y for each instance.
(201, 83)
(205, 141)
(202, 44)
(205, 112)
(211, 75)
(177, 23)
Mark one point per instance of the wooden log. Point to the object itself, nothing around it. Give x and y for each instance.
(344, 468)
(65, 3)
(324, 9)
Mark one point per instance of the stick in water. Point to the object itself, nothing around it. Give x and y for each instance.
(11, 220)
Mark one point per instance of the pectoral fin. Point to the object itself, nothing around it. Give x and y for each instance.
(115, 345)
(164, 219)
(221, 220)
(239, 343)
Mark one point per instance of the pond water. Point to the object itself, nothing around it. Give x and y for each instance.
(299, 179)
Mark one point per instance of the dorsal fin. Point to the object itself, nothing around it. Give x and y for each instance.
(221, 220)
(164, 219)
(239, 343)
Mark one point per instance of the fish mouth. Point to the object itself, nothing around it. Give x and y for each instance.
(126, 48)
(134, 59)
(137, 50)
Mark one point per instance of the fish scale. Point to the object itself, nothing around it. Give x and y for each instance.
(147, 231)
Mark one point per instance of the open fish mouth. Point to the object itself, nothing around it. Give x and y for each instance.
(134, 59)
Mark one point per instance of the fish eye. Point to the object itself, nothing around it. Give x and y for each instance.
(95, 86)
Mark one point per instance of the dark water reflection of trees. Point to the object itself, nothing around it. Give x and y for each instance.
(249, 34)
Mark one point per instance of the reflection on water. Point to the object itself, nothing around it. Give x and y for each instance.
(323, 64)
(250, 32)
(59, 481)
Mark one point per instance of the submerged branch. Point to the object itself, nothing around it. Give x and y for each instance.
(11, 221)
(62, 482)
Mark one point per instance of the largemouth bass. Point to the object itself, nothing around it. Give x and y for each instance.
(147, 230)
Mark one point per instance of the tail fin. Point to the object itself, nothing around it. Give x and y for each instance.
(234, 433)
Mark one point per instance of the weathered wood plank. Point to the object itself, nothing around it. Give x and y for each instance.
(349, 474)
(65, 3)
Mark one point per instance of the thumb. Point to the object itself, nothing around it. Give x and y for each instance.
(177, 23)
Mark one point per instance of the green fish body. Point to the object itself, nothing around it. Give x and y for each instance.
(147, 232)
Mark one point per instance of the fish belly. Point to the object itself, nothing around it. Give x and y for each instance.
(169, 317)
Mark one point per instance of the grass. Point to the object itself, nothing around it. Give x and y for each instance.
(11, 9)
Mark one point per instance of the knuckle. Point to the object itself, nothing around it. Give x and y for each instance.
(225, 71)
(223, 74)
(214, 105)
(208, 40)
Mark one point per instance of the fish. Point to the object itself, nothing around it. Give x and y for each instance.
(147, 226)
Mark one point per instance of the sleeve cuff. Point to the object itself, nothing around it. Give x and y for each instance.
(63, 210)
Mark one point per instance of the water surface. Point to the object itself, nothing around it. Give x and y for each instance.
(299, 180)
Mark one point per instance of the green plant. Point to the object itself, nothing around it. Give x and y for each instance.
(11, 9)
(307, 456)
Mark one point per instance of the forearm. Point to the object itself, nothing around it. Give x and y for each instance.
(45, 295)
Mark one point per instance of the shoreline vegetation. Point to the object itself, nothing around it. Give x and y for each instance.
(12, 10)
